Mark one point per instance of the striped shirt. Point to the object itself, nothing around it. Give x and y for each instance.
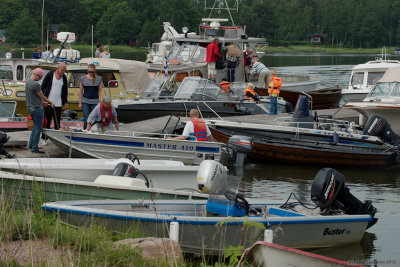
(90, 90)
(257, 68)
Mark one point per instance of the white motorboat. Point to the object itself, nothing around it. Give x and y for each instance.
(165, 174)
(93, 145)
(227, 219)
(384, 99)
(364, 76)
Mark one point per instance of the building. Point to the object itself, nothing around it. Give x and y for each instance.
(317, 38)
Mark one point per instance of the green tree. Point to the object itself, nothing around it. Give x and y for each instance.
(24, 29)
(150, 32)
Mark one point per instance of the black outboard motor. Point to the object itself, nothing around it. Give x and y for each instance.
(3, 140)
(124, 169)
(378, 126)
(329, 193)
(302, 116)
(70, 115)
(239, 147)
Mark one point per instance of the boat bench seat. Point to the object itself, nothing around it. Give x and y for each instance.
(283, 213)
(119, 181)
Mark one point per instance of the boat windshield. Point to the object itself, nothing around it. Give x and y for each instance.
(381, 90)
(373, 77)
(186, 51)
(357, 79)
(199, 54)
(188, 87)
(174, 51)
(6, 72)
(154, 87)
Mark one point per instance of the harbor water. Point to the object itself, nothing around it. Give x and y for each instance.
(275, 182)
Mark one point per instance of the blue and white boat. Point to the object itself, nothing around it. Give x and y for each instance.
(227, 219)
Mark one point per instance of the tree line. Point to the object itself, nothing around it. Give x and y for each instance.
(348, 23)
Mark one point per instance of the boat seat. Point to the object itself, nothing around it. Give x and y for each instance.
(283, 213)
(119, 181)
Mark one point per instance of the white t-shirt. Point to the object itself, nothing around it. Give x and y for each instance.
(55, 92)
(189, 128)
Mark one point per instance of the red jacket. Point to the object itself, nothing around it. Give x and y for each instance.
(212, 52)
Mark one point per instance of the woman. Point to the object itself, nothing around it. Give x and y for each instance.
(106, 52)
(90, 93)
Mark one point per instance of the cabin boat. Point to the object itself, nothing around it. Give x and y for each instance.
(159, 99)
(364, 76)
(384, 100)
(121, 78)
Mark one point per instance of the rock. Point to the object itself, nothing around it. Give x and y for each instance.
(155, 248)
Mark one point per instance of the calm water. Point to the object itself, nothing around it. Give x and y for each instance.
(275, 182)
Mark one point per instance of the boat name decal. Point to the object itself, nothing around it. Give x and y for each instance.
(170, 147)
(336, 231)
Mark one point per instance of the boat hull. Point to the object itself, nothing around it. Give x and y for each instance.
(297, 149)
(92, 145)
(212, 234)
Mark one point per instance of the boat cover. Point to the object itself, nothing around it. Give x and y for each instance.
(392, 75)
(134, 73)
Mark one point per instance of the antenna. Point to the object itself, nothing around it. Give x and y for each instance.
(221, 5)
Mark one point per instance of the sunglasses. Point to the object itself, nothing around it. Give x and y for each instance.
(91, 72)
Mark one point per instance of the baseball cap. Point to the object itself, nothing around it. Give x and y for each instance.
(38, 71)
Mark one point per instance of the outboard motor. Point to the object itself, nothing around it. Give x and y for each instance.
(239, 147)
(329, 193)
(301, 116)
(223, 189)
(3, 140)
(125, 169)
(70, 115)
(378, 126)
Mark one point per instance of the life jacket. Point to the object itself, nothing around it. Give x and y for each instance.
(251, 91)
(225, 87)
(200, 129)
(277, 82)
(105, 121)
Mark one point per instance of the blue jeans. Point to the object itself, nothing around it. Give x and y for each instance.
(274, 105)
(37, 117)
(87, 109)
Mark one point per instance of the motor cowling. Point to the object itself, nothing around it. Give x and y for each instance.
(211, 177)
(125, 169)
(329, 193)
(239, 147)
(378, 126)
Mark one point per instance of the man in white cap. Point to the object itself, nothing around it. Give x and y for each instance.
(34, 99)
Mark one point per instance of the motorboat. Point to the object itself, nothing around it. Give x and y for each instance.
(364, 76)
(166, 174)
(210, 99)
(121, 78)
(158, 51)
(313, 140)
(228, 219)
(266, 254)
(188, 55)
(384, 100)
(144, 146)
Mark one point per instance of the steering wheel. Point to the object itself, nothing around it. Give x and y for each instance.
(132, 157)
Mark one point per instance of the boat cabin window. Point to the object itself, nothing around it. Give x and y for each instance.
(109, 79)
(357, 79)
(200, 54)
(380, 90)
(186, 52)
(20, 73)
(396, 90)
(6, 72)
(374, 77)
(174, 51)
(75, 79)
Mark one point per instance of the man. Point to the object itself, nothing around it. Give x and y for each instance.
(34, 99)
(212, 56)
(273, 90)
(55, 88)
(250, 93)
(102, 117)
(262, 71)
(247, 57)
(195, 129)
(98, 51)
(46, 54)
(232, 57)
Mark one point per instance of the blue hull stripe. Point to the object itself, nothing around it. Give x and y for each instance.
(106, 142)
(235, 221)
(207, 149)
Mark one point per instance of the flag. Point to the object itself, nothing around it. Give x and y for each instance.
(166, 66)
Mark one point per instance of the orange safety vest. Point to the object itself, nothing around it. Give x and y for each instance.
(251, 91)
(225, 87)
(276, 82)
(200, 129)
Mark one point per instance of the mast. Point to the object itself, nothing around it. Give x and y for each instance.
(41, 43)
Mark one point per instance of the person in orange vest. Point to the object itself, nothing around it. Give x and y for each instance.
(195, 129)
(250, 93)
(274, 88)
(225, 87)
